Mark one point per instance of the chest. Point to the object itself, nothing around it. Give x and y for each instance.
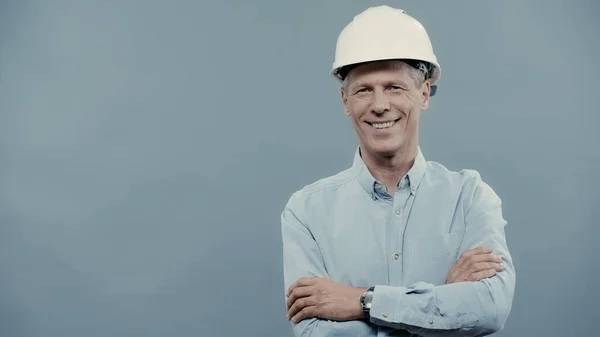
(398, 242)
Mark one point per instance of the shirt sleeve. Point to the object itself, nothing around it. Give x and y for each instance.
(457, 309)
(302, 258)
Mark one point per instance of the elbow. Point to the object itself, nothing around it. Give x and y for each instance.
(493, 323)
(489, 321)
(501, 290)
(305, 327)
(498, 320)
(495, 314)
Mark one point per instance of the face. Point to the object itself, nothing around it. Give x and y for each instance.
(384, 102)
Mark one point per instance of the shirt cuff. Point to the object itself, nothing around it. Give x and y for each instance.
(414, 306)
(384, 306)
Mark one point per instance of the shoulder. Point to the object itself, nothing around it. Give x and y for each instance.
(324, 186)
(465, 176)
(467, 184)
(468, 180)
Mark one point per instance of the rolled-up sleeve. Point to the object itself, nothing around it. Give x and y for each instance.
(459, 309)
(302, 258)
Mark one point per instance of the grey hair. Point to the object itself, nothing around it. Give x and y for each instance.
(419, 72)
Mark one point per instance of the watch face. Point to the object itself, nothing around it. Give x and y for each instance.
(367, 299)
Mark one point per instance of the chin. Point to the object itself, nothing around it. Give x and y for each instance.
(385, 149)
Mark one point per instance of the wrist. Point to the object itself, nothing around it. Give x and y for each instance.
(365, 302)
(357, 308)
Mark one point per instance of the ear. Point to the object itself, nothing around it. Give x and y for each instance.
(426, 94)
(345, 101)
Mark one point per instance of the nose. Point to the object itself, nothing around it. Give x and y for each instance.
(381, 102)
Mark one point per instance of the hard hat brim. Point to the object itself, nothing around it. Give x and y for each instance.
(342, 71)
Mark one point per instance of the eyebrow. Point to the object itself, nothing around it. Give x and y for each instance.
(399, 82)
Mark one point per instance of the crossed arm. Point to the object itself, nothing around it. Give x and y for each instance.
(474, 306)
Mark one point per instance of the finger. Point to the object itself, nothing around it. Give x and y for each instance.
(306, 312)
(300, 304)
(472, 252)
(465, 273)
(480, 266)
(480, 262)
(480, 275)
(476, 250)
(301, 282)
(452, 275)
(299, 293)
(485, 258)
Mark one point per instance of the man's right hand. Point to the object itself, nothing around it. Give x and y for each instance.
(475, 265)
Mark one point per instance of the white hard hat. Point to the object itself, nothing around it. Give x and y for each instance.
(385, 33)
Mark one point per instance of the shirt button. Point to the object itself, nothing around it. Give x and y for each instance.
(385, 315)
(413, 189)
(430, 321)
(396, 256)
(398, 212)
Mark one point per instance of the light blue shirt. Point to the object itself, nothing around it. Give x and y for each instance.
(348, 228)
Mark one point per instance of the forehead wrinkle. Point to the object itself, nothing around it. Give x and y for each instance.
(385, 79)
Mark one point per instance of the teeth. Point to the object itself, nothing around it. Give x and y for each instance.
(383, 125)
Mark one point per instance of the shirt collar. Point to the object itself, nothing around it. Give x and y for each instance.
(370, 184)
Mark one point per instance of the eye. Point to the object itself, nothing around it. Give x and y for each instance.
(395, 87)
(361, 91)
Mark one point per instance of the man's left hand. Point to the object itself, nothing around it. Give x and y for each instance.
(323, 298)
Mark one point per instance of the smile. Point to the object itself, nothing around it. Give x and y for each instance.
(383, 125)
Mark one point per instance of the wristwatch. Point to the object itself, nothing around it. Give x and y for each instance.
(365, 302)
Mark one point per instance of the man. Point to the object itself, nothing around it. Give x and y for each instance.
(395, 245)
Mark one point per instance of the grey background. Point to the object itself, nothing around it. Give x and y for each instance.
(148, 147)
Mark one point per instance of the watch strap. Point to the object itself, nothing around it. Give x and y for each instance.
(365, 302)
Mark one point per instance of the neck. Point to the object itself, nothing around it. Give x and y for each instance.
(389, 169)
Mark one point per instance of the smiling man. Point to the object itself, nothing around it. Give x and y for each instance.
(395, 245)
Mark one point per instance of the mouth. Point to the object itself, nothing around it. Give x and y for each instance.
(383, 125)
